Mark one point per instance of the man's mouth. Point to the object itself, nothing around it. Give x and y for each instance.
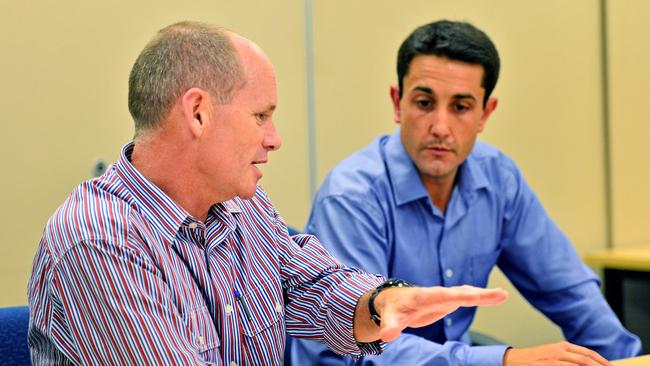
(439, 148)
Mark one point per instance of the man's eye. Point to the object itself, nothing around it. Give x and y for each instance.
(460, 107)
(261, 117)
(424, 103)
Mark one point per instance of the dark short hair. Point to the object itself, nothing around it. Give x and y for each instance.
(459, 41)
(182, 56)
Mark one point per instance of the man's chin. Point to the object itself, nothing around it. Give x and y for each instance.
(248, 192)
(439, 172)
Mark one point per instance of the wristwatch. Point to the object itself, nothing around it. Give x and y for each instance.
(391, 282)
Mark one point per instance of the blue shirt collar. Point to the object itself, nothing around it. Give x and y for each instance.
(407, 185)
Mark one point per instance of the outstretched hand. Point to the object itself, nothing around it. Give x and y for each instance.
(416, 307)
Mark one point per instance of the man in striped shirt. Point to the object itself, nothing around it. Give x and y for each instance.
(175, 256)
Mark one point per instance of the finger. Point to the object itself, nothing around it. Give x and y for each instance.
(580, 352)
(470, 296)
(579, 359)
(492, 296)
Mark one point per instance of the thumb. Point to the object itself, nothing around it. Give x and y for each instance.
(391, 327)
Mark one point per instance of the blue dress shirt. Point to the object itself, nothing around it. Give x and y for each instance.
(374, 212)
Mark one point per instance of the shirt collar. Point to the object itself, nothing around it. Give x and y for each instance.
(165, 214)
(407, 184)
(158, 207)
(471, 177)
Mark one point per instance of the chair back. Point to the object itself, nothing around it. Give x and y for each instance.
(14, 322)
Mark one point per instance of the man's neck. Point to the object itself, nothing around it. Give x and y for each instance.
(440, 189)
(167, 168)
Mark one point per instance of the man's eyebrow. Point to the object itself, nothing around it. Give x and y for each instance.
(424, 89)
(427, 90)
(269, 108)
(464, 96)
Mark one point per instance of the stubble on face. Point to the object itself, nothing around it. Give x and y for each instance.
(440, 115)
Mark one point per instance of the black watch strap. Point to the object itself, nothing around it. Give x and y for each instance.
(391, 282)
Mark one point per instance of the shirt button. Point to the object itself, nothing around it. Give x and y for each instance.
(201, 341)
(449, 273)
(233, 363)
(228, 309)
(449, 322)
(193, 225)
(278, 307)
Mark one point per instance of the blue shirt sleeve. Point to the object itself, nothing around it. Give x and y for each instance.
(543, 265)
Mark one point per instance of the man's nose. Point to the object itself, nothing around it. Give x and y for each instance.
(439, 123)
(272, 140)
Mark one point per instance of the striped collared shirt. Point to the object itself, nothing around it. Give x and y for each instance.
(125, 276)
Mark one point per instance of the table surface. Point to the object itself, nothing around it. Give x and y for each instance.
(636, 258)
(636, 361)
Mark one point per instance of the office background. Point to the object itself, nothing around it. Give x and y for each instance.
(572, 112)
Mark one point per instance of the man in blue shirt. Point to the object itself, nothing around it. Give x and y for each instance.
(433, 206)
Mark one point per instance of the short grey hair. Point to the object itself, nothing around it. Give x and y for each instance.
(182, 56)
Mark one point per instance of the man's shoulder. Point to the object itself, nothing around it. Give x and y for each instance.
(359, 173)
(94, 211)
(483, 150)
(501, 172)
(491, 159)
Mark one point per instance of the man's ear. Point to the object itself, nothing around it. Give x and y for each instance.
(490, 106)
(394, 97)
(195, 104)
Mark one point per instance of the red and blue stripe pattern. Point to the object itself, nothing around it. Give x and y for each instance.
(125, 276)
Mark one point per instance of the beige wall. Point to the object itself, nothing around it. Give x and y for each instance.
(629, 54)
(64, 71)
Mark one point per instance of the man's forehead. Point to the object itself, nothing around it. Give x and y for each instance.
(441, 64)
(427, 73)
(250, 54)
(259, 73)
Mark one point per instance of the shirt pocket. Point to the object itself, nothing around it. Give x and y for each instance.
(202, 330)
(481, 266)
(265, 306)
